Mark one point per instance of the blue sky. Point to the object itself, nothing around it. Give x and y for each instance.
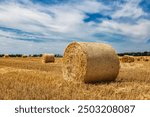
(48, 26)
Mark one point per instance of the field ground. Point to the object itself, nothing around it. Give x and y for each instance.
(29, 78)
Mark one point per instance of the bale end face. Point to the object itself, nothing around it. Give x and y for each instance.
(74, 61)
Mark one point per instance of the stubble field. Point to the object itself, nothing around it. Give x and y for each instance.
(29, 78)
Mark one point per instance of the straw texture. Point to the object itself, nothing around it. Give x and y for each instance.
(90, 62)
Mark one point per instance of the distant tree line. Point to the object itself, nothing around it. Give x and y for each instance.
(34, 55)
(59, 55)
(135, 53)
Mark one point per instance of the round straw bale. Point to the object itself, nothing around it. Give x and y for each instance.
(47, 58)
(6, 56)
(90, 62)
(130, 59)
(138, 58)
(127, 59)
(145, 58)
(141, 57)
(24, 56)
(120, 58)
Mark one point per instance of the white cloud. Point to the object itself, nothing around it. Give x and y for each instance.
(10, 46)
(65, 21)
(138, 31)
(130, 9)
(59, 22)
(33, 18)
(91, 6)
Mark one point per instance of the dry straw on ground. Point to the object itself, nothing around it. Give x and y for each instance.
(90, 62)
(31, 80)
(47, 58)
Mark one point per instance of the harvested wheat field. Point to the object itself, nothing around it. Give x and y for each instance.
(29, 78)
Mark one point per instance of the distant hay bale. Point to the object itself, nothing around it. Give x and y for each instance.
(131, 59)
(141, 57)
(6, 56)
(138, 58)
(47, 58)
(145, 58)
(24, 56)
(127, 59)
(120, 58)
(30, 55)
(90, 62)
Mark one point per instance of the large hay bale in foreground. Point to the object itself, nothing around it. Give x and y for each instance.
(90, 62)
(47, 58)
(6, 56)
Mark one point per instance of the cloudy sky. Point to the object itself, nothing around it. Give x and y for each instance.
(40, 26)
